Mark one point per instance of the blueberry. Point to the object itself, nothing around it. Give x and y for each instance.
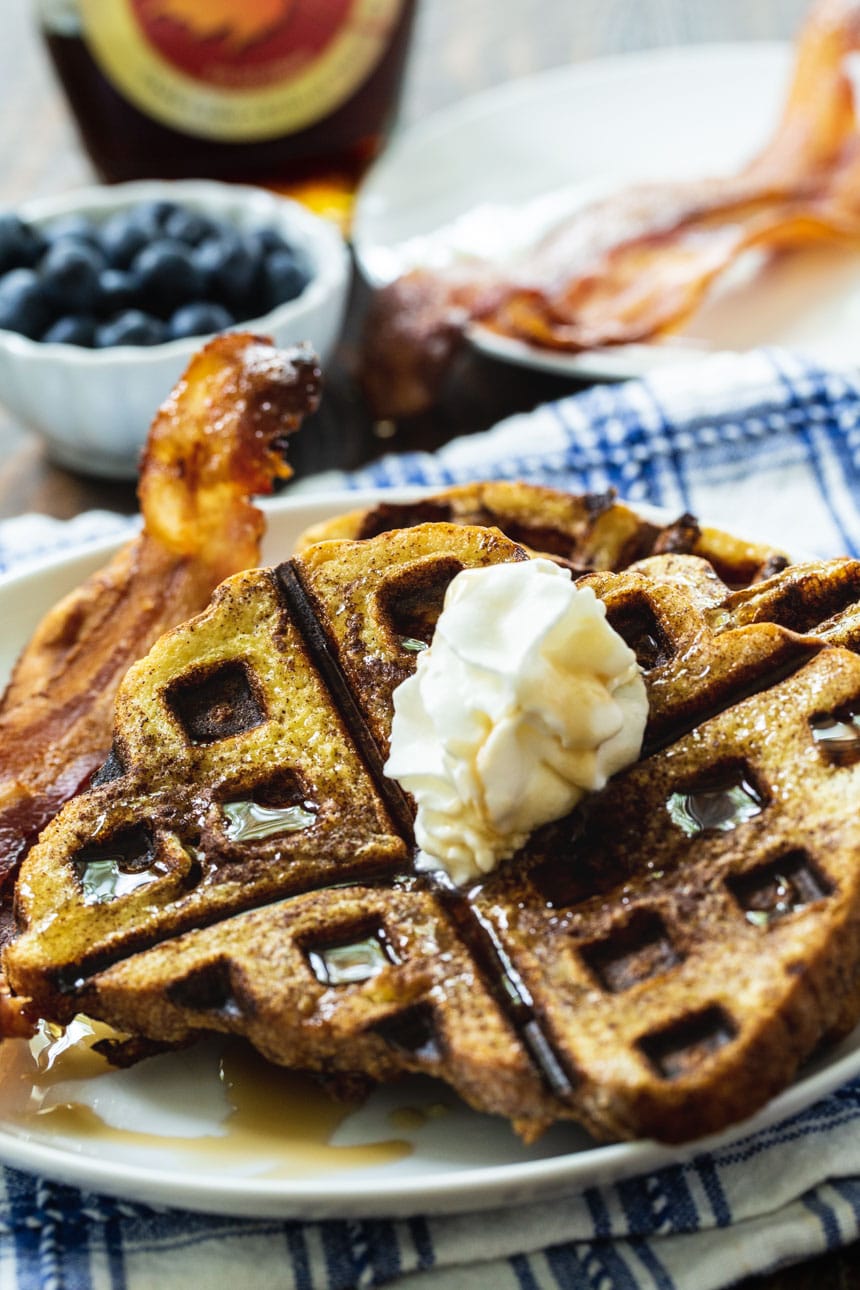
(133, 327)
(155, 214)
(199, 320)
(229, 268)
(168, 275)
(211, 254)
(78, 227)
(72, 329)
(286, 277)
(20, 243)
(117, 291)
(269, 239)
(123, 235)
(188, 227)
(23, 305)
(70, 273)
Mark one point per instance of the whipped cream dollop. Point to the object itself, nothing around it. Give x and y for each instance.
(525, 700)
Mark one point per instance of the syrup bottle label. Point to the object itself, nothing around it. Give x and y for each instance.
(238, 70)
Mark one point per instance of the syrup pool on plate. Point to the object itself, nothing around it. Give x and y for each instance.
(250, 1114)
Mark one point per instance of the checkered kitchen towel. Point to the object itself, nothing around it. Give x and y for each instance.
(764, 443)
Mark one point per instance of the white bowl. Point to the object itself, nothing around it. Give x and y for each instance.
(93, 406)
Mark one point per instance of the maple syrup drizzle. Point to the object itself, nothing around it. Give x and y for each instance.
(106, 879)
(248, 820)
(838, 737)
(410, 1118)
(276, 1116)
(355, 961)
(714, 810)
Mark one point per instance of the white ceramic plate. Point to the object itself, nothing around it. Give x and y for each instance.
(171, 1139)
(488, 175)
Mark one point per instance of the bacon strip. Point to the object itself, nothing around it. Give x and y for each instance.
(217, 440)
(636, 265)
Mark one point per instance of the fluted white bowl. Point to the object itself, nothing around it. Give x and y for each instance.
(93, 406)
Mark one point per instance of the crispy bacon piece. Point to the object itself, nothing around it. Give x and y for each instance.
(637, 264)
(217, 440)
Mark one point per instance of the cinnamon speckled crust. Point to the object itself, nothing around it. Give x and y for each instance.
(678, 946)
(177, 788)
(654, 931)
(582, 530)
(217, 440)
(272, 995)
(667, 608)
(371, 596)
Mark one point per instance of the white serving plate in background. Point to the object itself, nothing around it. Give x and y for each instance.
(488, 175)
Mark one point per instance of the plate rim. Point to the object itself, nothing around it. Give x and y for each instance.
(332, 1195)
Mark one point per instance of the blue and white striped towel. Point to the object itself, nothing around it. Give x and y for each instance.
(765, 444)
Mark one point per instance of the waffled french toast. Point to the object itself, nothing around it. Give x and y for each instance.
(584, 531)
(660, 962)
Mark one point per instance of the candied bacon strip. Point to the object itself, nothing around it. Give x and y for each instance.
(653, 289)
(637, 264)
(216, 441)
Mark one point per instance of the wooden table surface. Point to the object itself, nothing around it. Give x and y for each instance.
(460, 46)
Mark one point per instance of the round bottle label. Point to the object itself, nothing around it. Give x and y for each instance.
(238, 70)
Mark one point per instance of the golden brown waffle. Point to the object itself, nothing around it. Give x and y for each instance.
(659, 963)
(583, 530)
(228, 718)
(237, 679)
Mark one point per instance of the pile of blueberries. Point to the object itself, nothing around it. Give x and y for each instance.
(156, 272)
